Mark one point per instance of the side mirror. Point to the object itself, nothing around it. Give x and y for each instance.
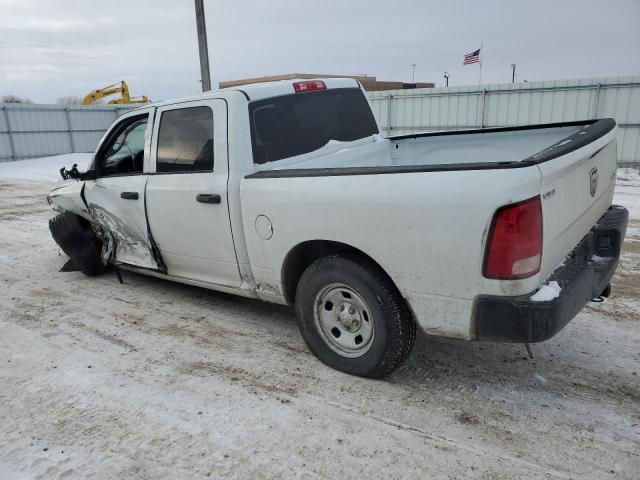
(74, 173)
(71, 173)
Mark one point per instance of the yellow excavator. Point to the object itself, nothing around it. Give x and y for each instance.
(121, 87)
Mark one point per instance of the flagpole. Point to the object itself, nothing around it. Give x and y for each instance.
(480, 62)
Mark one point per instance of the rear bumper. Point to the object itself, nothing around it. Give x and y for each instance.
(582, 277)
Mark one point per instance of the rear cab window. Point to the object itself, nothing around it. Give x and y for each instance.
(185, 141)
(291, 125)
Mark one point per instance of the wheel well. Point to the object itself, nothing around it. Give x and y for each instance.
(304, 254)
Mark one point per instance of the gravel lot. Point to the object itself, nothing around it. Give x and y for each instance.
(152, 379)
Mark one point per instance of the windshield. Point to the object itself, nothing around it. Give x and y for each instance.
(290, 125)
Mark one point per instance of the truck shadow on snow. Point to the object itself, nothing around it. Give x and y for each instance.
(568, 363)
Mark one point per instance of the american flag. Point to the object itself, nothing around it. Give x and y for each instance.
(473, 57)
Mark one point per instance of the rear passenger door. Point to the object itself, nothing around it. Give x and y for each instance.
(187, 206)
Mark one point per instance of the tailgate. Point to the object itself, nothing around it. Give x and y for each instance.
(576, 189)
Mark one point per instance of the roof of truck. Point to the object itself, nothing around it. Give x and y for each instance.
(258, 91)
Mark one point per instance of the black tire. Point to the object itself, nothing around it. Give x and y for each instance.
(394, 329)
(75, 237)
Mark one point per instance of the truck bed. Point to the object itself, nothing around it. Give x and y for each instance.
(416, 224)
(506, 147)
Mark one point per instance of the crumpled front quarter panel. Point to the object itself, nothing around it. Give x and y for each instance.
(67, 197)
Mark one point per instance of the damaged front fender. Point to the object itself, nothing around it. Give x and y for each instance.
(67, 197)
(120, 222)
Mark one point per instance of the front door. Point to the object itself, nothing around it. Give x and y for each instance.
(116, 198)
(187, 206)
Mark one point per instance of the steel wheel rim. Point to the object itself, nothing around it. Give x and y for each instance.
(344, 320)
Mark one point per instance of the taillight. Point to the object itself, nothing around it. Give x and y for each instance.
(309, 86)
(514, 246)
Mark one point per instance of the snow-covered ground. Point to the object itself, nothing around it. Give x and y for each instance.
(628, 176)
(151, 379)
(44, 169)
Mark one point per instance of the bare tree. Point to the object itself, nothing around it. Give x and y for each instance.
(70, 100)
(14, 99)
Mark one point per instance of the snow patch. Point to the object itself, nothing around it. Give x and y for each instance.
(333, 142)
(547, 292)
(628, 195)
(44, 169)
(540, 378)
(631, 175)
(7, 472)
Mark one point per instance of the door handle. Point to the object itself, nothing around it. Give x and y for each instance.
(129, 195)
(208, 198)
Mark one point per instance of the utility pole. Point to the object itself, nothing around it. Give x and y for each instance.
(513, 73)
(202, 47)
(413, 74)
(446, 79)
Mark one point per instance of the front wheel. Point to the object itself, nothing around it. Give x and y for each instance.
(352, 317)
(74, 236)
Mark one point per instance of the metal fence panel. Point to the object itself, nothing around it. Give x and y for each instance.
(411, 111)
(36, 119)
(92, 119)
(28, 131)
(34, 144)
(38, 130)
(86, 141)
(3, 122)
(5, 146)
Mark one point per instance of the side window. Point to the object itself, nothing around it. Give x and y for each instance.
(185, 140)
(124, 152)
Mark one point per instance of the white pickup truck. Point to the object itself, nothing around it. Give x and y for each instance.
(287, 192)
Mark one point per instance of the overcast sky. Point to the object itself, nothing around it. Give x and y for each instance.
(50, 49)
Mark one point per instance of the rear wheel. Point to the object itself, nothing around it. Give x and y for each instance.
(75, 237)
(352, 317)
